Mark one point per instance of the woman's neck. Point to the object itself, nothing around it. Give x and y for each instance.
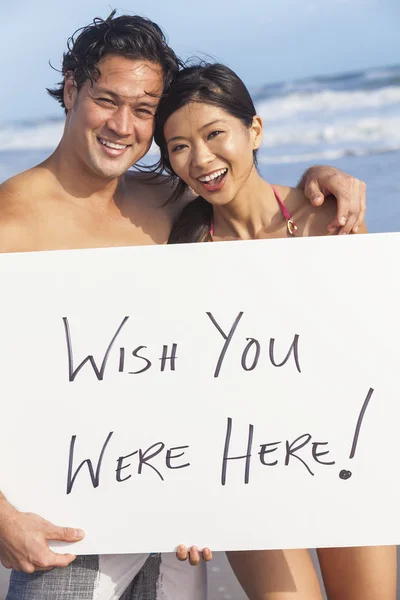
(250, 213)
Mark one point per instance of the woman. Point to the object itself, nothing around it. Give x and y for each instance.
(209, 133)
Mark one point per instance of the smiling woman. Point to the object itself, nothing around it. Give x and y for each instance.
(227, 103)
(209, 132)
(211, 139)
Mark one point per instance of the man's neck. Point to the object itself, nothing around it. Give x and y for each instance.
(80, 186)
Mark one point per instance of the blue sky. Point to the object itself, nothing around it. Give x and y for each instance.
(263, 40)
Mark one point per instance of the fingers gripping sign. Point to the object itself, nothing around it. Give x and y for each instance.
(194, 554)
(24, 541)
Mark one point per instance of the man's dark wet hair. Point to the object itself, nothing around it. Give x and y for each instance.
(132, 37)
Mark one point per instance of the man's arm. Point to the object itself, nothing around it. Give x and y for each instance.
(24, 540)
(318, 182)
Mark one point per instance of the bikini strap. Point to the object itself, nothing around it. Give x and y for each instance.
(291, 225)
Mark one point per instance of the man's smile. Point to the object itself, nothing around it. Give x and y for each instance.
(113, 148)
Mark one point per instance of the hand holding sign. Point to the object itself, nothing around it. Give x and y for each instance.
(194, 554)
(24, 541)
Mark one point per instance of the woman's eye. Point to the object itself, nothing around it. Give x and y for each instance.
(178, 147)
(213, 134)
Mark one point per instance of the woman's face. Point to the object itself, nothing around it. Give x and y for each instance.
(211, 150)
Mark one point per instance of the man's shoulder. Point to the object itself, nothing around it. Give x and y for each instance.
(15, 199)
(12, 232)
(11, 197)
(20, 189)
(156, 190)
(154, 186)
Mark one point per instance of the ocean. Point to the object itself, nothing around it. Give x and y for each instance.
(351, 121)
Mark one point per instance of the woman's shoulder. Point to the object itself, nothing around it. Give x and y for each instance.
(310, 220)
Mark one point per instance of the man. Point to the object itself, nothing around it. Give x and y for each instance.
(82, 196)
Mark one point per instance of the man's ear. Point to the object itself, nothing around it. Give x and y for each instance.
(256, 131)
(70, 90)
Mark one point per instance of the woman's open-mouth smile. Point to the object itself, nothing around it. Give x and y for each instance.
(213, 182)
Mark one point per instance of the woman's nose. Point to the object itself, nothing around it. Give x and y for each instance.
(201, 156)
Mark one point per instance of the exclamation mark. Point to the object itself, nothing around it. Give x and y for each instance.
(347, 474)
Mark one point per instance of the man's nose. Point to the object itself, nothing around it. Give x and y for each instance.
(122, 122)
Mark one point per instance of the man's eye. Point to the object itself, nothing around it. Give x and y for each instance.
(106, 100)
(213, 134)
(145, 112)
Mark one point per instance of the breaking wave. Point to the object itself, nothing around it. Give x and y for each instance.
(351, 114)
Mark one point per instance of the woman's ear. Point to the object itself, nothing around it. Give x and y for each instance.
(256, 131)
(70, 90)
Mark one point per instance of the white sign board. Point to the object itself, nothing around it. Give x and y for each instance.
(231, 395)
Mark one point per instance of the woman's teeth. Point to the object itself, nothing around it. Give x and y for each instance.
(112, 144)
(213, 176)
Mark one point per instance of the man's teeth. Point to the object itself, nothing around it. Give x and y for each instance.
(213, 175)
(112, 145)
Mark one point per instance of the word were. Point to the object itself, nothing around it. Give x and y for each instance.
(144, 458)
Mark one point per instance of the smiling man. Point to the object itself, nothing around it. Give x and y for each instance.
(90, 134)
(83, 197)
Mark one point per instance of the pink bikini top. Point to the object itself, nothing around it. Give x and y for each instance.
(291, 226)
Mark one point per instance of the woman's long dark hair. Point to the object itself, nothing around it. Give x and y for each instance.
(209, 84)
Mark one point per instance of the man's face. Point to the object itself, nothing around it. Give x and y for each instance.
(110, 124)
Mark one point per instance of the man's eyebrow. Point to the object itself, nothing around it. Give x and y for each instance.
(182, 137)
(107, 92)
(150, 103)
(143, 100)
